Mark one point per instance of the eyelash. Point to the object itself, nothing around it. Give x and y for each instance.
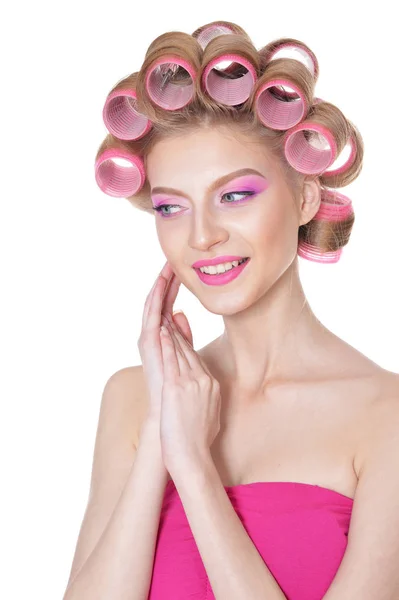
(161, 206)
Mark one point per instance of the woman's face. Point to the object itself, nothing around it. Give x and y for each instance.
(251, 214)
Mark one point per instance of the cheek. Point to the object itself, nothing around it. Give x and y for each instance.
(169, 242)
(274, 235)
(270, 225)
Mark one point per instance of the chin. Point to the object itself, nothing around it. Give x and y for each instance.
(226, 305)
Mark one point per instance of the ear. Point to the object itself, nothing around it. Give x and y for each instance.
(310, 198)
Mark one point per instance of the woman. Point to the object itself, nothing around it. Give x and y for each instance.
(263, 465)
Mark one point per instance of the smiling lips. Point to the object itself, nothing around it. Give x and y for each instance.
(222, 278)
(207, 262)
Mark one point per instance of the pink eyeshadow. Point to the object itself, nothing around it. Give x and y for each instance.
(248, 183)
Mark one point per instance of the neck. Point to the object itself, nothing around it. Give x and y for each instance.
(273, 339)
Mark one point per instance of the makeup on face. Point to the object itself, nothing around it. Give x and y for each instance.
(225, 277)
(247, 186)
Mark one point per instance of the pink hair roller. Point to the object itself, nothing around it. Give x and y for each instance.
(313, 254)
(117, 180)
(347, 164)
(121, 117)
(307, 153)
(334, 206)
(161, 88)
(229, 90)
(211, 32)
(280, 109)
(307, 57)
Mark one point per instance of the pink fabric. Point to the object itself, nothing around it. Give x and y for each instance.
(299, 529)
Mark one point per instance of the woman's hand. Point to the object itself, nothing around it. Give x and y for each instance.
(159, 302)
(190, 411)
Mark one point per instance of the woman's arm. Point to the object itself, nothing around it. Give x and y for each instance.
(120, 565)
(233, 564)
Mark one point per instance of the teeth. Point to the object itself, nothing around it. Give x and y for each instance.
(222, 268)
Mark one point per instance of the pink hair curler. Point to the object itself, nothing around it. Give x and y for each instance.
(302, 53)
(167, 86)
(312, 253)
(349, 162)
(310, 153)
(353, 151)
(121, 117)
(119, 181)
(225, 87)
(211, 32)
(280, 109)
(334, 206)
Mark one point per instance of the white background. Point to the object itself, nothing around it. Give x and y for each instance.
(77, 264)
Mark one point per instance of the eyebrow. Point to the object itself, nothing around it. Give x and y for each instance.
(213, 186)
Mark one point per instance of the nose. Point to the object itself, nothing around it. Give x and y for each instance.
(206, 231)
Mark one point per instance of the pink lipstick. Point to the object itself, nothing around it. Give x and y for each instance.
(221, 278)
(206, 262)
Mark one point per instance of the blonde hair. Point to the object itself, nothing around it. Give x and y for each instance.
(322, 238)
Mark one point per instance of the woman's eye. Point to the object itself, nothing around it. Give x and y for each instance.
(237, 194)
(161, 206)
(167, 207)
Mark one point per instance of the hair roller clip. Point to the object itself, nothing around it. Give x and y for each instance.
(229, 84)
(278, 107)
(119, 180)
(206, 33)
(299, 51)
(120, 114)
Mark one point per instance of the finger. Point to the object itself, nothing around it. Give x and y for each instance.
(149, 298)
(170, 364)
(152, 317)
(147, 305)
(190, 355)
(180, 320)
(184, 366)
(170, 295)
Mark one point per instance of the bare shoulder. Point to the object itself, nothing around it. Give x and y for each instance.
(129, 385)
(386, 403)
(371, 395)
(114, 452)
(381, 413)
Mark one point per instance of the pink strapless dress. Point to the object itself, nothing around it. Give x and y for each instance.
(299, 529)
